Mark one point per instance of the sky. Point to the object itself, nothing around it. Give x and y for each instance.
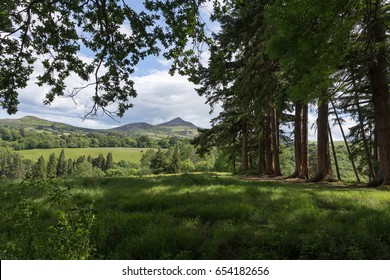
(161, 97)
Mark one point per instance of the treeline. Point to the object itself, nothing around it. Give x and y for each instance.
(25, 139)
(180, 158)
(13, 166)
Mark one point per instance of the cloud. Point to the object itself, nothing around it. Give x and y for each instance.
(161, 97)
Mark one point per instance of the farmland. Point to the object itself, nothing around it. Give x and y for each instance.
(127, 154)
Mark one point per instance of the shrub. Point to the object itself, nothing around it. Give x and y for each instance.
(186, 166)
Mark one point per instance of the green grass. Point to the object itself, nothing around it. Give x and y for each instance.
(216, 216)
(128, 154)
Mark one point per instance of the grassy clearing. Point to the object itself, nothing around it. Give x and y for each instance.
(128, 154)
(210, 216)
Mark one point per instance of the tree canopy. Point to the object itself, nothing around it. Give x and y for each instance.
(51, 35)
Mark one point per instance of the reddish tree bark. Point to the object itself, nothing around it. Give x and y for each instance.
(324, 168)
(378, 74)
(300, 142)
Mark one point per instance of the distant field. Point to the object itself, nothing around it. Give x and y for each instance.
(128, 154)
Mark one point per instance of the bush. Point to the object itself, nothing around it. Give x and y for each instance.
(203, 166)
(186, 166)
(64, 228)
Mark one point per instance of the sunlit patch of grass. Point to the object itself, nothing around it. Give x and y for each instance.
(216, 216)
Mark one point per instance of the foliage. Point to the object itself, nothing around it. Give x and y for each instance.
(194, 216)
(42, 221)
(34, 30)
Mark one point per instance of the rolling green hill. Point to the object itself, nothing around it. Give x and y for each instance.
(35, 123)
(176, 127)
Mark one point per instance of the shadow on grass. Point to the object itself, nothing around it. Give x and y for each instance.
(213, 216)
(207, 216)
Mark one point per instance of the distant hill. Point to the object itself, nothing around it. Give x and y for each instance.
(177, 122)
(133, 126)
(31, 122)
(175, 127)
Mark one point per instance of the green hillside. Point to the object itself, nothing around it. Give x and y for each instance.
(31, 122)
(174, 128)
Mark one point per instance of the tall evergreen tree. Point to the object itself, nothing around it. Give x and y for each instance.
(39, 169)
(99, 162)
(61, 165)
(52, 166)
(109, 162)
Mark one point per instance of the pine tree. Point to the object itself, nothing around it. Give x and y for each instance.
(157, 163)
(109, 162)
(39, 169)
(52, 166)
(69, 167)
(61, 165)
(99, 162)
(175, 163)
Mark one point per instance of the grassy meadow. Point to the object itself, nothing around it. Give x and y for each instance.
(192, 216)
(127, 154)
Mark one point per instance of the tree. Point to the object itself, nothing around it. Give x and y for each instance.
(332, 37)
(378, 73)
(62, 169)
(55, 31)
(99, 162)
(175, 162)
(39, 169)
(301, 141)
(109, 161)
(324, 168)
(241, 76)
(52, 166)
(157, 163)
(5, 134)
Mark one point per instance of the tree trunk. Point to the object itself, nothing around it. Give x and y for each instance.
(367, 150)
(298, 140)
(305, 139)
(324, 168)
(346, 143)
(275, 142)
(269, 167)
(301, 142)
(378, 74)
(261, 155)
(244, 149)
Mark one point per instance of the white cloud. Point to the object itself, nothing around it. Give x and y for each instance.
(161, 97)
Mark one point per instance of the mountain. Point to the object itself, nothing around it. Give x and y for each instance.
(177, 122)
(175, 127)
(133, 126)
